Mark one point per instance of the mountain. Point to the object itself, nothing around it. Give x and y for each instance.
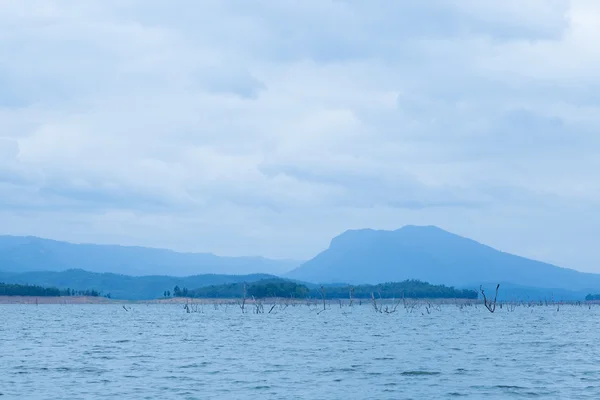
(123, 286)
(433, 255)
(27, 253)
(279, 287)
(366, 256)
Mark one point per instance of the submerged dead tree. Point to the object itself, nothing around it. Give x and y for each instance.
(258, 306)
(324, 300)
(242, 304)
(379, 307)
(375, 306)
(488, 304)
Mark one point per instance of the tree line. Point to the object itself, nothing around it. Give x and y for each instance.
(261, 289)
(13, 289)
(289, 289)
(413, 289)
(591, 297)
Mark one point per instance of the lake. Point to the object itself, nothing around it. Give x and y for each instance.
(158, 351)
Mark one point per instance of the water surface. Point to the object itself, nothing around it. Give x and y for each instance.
(162, 352)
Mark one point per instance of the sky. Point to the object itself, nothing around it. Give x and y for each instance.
(268, 127)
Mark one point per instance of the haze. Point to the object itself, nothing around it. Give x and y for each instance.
(269, 127)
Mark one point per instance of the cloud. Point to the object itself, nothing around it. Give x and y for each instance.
(268, 127)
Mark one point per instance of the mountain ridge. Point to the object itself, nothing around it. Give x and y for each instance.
(434, 255)
(121, 286)
(361, 256)
(32, 253)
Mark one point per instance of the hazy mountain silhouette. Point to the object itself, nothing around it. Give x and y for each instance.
(357, 257)
(124, 286)
(27, 253)
(431, 254)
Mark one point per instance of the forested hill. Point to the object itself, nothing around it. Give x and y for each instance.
(13, 289)
(123, 286)
(289, 289)
(207, 286)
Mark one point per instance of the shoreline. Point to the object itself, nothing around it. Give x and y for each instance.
(183, 300)
(46, 300)
(54, 300)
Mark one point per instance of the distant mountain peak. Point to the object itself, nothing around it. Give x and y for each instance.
(430, 254)
(424, 228)
(357, 236)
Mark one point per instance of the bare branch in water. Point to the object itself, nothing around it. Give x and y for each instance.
(242, 304)
(488, 304)
(375, 306)
(323, 296)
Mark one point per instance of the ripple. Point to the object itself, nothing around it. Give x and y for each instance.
(195, 365)
(159, 352)
(419, 373)
(510, 387)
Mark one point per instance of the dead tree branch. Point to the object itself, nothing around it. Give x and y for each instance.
(488, 304)
(242, 304)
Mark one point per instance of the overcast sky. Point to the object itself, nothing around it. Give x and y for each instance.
(268, 127)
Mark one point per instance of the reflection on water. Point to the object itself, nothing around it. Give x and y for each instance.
(162, 352)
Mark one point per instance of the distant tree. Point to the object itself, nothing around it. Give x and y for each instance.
(408, 289)
(260, 289)
(283, 288)
(277, 289)
(27, 290)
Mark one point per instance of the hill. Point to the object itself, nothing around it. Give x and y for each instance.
(122, 286)
(433, 255)
(28, 253)
(15, 289)
(285, 288)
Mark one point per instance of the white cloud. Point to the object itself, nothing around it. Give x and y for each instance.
(268, 127)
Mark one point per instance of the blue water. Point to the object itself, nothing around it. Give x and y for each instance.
(162, 352)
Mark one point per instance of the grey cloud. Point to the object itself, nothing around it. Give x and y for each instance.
(9, 149)
(347, 30)
(240, 83)
(279, 124)
(371, 189)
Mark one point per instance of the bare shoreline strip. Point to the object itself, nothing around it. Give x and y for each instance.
(54, 300)
(183, 300)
